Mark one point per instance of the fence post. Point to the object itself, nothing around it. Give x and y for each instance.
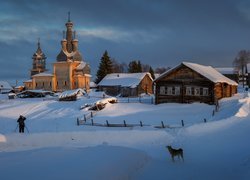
(85, 119)
(141, 123)
(77, 122)
(139, 99)
(205, 120)
(107, 123)
(92, 122)
(128, 99)
(91, 114)
(162, 124)
(182, 123)
(213, 113)
(124, 122)
(152, 100)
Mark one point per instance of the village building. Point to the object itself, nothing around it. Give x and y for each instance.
(5, 87)
(248, 75)
(190, 82)
(126, 84)
(69, 71)
(229, 72)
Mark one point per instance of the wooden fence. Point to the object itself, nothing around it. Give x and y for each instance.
(125, 124)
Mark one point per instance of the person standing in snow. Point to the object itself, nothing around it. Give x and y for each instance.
(21, 123)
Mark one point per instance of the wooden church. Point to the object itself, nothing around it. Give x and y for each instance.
(69, 71)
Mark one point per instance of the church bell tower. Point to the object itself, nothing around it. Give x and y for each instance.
(39, 61)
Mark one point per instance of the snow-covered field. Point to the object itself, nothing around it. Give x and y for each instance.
(56, 148)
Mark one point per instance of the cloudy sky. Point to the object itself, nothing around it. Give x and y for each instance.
(156, 32)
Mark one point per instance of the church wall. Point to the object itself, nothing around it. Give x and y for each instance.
(63, 76)
(43, 82)
(82, 81)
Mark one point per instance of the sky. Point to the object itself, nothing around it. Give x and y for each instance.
(161, 33)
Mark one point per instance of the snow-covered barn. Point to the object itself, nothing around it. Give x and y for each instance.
(126, 84)
(5, 87)
(190, 82)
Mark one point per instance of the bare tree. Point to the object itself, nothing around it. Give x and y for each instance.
(161, 70)
(240, 64)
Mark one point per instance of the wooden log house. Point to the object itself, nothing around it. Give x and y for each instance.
(126, 84)
(190, 82)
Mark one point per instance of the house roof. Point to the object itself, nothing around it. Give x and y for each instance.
(5, 85)
(123, 79)
(248, 68)
(227, 70)
(207, 71)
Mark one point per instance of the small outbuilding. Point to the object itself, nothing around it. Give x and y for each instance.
(190, 82)
(5, 87)
(71, 95)
(126, 84)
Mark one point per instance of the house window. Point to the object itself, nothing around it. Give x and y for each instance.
(170, 90)
(65, 83)
(188, 91)
(43, 84)
(162, 90)
(205, 91)
(36, 84)
(177, 90)
(50, 84)
(196, 91)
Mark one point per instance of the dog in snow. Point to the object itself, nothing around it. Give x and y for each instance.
(175, 152)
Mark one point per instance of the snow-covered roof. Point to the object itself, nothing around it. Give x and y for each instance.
(92, 84)
(81, 65)
(248, 68)
(5, 85)
(123, 79)
(226, 70)
(70, 93)
(207, 71)
(28, 81)
(42, 74)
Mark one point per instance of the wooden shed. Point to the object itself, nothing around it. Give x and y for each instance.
(190, 82)
(126, 84)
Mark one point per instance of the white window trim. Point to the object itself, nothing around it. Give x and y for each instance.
(205, 90)
(197, 91)
(188, 90)
(162, 90)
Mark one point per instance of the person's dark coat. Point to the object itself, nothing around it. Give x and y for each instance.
(21, 120)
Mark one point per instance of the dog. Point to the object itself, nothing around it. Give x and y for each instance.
(175, 152)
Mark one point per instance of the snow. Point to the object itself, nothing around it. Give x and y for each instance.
(5, 86)
(226, 70)
(43, 74)
(123, 79)
(56, 148)
(72, 93)
(81, 65)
